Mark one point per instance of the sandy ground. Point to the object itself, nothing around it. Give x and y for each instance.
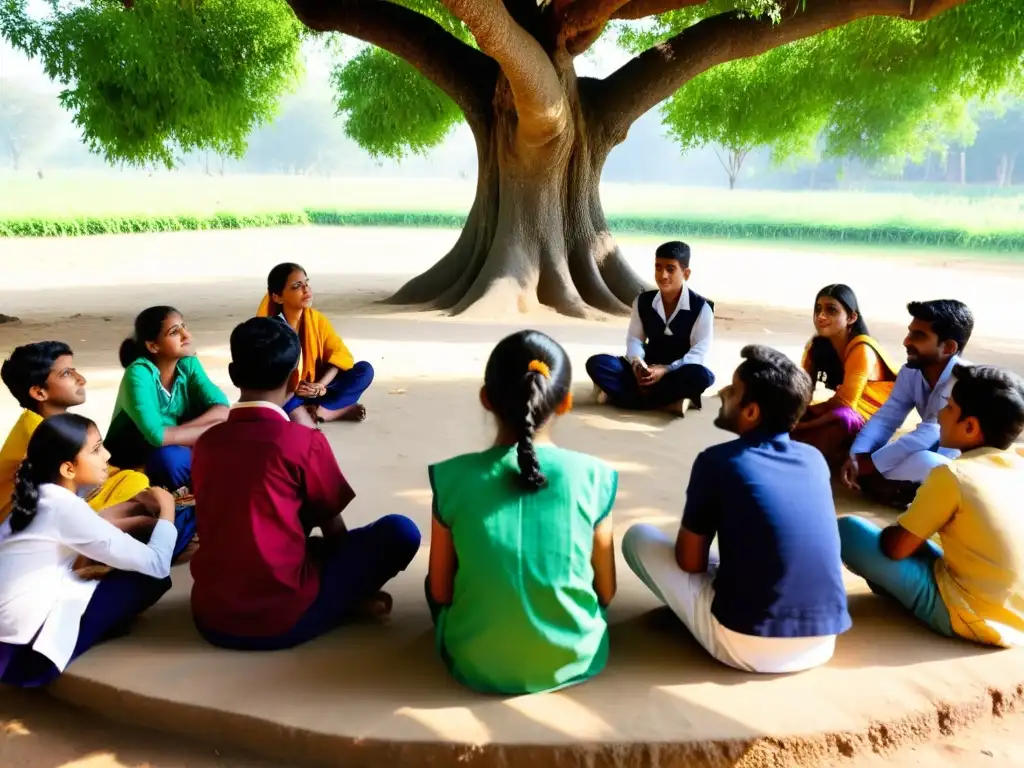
(87, 291)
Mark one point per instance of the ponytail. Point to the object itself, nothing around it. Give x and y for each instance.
(530, 476)
(527, 380)
(57, 440)
(130, 351)
(26, 498)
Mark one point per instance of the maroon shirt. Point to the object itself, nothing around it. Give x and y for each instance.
(252, 477)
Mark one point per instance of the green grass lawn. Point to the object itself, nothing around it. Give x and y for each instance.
(91, 203)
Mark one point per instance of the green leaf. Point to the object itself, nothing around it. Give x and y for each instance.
(390, 109)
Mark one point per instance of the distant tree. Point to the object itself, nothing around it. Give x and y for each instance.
(28, 120)
(732, 159)
(1000, 144)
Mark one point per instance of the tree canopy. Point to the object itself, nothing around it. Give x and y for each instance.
(147, 78)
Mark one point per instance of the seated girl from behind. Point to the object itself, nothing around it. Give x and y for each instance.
(48, 615)
(522, 560)
(165, 401)
(328, 382)
(849, 362)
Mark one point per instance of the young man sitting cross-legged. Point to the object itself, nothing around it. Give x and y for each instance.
(973, 585)
(889, 471)
(262, 484)
(776, 602)
(667, 344)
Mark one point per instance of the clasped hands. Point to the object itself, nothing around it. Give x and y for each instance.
(311, 389)
(648, 376)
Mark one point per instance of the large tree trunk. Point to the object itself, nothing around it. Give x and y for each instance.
(536, 233)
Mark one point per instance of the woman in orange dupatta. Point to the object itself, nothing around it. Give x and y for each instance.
(849, 362)
(328, 382)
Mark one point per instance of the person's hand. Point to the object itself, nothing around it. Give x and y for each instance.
(849, 474)
(148, 501)
(165, 503)
(640, 370)
(654, 374)
(306, 389)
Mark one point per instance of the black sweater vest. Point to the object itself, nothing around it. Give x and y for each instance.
(660, 349)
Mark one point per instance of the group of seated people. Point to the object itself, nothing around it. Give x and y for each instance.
(522, 551)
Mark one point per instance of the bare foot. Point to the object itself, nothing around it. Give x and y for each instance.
(600, 396)
(376, 607)
(679, 408)
(355, 412)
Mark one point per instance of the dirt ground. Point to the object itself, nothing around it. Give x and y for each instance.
(87, 291)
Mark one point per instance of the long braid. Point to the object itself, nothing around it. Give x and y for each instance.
(26, 498)
(530, 476)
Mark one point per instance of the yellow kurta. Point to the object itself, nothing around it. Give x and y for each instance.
(319, 344)
(973, 503)
(121, 486)
(868, 376)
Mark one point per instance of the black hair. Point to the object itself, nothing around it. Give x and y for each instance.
(148, 325)
(264, 352)
(827, 364)
(951, 320)
(524, 398)
(993, 396)
(677, 250)
(276, 282)
(57, 440)
(29, 366)
(779, 386)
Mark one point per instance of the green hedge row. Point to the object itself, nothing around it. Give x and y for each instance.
(880, 234)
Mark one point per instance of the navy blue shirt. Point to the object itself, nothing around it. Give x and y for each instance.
(769, 500)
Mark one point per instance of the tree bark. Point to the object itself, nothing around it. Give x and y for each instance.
(536, 233)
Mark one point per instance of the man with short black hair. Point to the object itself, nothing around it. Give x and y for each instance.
(262, 484)
(776, 602)
(667, 344)
(890, 472)
(973, 585)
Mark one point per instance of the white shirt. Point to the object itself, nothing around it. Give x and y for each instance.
(700, 336)
(38, 591)
(910, 392)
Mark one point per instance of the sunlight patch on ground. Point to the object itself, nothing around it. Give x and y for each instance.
(453, 723)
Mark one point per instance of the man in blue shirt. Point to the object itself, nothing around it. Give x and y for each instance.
(667, 344)
(891, 472)
(776, 601)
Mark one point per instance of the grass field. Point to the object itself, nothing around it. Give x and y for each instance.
(63, 204)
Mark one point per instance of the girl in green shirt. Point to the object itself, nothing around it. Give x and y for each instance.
(522, 558)
(165, 401)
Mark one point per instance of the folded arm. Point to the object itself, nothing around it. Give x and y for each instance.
(87, 533)
(889, 418)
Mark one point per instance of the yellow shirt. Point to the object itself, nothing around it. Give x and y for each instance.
(122, 485)
(974, 504)
(12, 454)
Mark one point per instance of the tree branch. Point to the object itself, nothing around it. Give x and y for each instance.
(464, 73)
(660, 71)
(538, 94)
(585, 15)
(641, 9)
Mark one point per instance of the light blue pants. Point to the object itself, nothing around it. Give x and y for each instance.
(911, 582)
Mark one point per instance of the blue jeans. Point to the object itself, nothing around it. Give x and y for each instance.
(345, 390)
(911, 581)
(118, 599)
(170, 467)
(353, 569)
(615, 377)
